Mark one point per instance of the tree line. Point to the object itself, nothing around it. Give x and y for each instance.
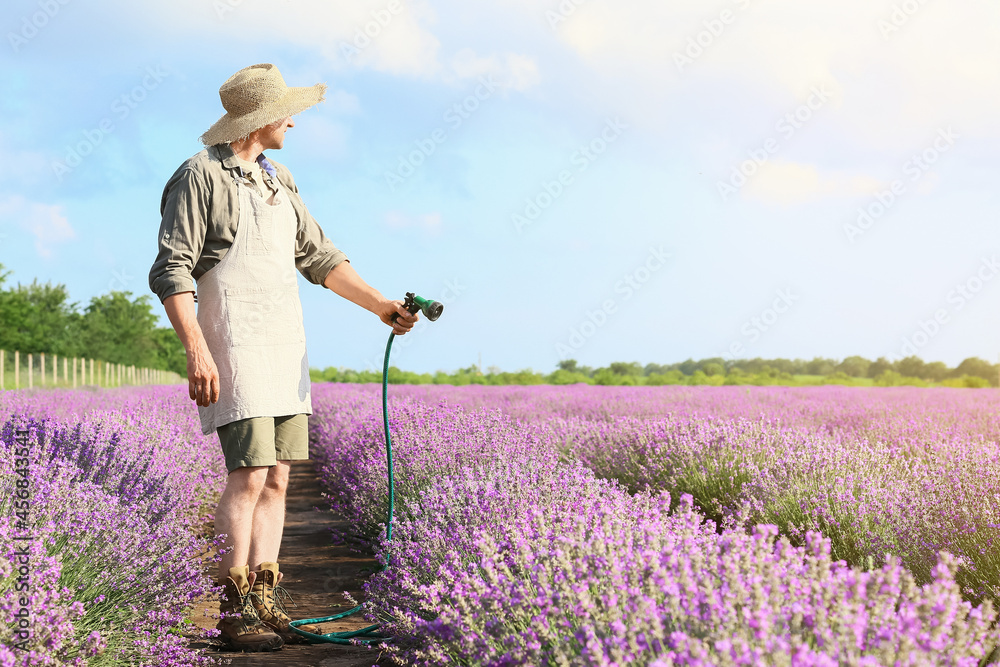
(114, 327)
(852, 371)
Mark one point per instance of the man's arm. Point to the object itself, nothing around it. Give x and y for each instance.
(346, 282)
(203, 376)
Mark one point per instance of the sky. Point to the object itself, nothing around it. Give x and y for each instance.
(601, 180)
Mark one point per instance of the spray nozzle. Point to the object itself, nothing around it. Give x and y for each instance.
(431, 309)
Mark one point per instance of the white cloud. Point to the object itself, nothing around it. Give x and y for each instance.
(46, 222)
(789, 183)
(937, 66)
(385, 35)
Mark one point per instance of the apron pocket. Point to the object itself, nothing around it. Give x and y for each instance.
(261, 228)
(264, 316)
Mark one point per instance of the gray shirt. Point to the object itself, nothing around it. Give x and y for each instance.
(200, 212)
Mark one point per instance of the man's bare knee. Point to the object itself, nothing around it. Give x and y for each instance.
(277, 479)
(246, 483)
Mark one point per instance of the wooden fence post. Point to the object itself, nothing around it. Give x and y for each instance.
(66, 370)
(74, 372)
(31, 371)
(17, 369)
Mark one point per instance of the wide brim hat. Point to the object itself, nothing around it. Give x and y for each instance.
(257, 96)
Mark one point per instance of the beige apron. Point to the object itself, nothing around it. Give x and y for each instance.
(249, 312)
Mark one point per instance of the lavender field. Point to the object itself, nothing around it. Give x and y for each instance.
(545, 525)
(118, 486)
(677, 525)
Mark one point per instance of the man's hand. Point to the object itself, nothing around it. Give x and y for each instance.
(346, 282)
(203, 376)
(403, 323)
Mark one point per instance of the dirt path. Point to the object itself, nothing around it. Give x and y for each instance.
(316, 574)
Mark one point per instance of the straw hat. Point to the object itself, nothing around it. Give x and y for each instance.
(257, 96)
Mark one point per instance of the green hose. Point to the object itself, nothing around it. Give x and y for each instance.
(370, 634)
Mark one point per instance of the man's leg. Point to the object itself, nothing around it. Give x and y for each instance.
(269, 517)
(235, 515)
(291, 443)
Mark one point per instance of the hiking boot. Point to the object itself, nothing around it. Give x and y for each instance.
(268, 601)
(240, 626)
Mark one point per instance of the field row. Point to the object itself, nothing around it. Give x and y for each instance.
(540, 525)
(568, 526)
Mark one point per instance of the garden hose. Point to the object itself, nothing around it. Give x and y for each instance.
(370, 634)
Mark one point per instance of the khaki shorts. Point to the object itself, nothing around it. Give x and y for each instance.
(263, 441)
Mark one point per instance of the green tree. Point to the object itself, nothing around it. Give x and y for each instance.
(878, 367)
(38, 318)
(170, 354)
(978, 368)
(121, 330)
(820, 366)
(936, 371)
(688, 367)
(569, 365)
(713, 368)
(911, 367)
(856, 367)
(631, 369)
(562, 376)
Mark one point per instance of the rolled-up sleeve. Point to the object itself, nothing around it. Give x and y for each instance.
(315, 254)
(184, 223)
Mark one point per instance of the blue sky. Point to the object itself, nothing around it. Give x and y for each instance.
(601, 180)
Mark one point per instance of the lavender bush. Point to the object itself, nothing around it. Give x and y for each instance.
(542, 525)
(508, 551)
(119, 487)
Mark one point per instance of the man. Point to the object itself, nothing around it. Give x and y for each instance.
(234, 222)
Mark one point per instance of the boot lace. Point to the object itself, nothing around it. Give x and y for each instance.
(249, 619)
(277, 592)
